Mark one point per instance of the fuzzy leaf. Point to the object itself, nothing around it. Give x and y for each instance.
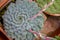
(54, 8)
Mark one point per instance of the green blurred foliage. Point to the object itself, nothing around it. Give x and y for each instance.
(57, 37)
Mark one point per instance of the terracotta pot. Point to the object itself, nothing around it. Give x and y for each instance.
(59, 35)
(3, 3)
(51, 14)
(51, 26)
(3, 35)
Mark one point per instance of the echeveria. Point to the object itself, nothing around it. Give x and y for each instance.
(16, 21)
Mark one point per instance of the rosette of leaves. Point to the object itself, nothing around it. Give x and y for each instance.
(53, 9)
(16, 21)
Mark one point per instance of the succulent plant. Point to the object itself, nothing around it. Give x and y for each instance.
(53, 9)
(16, 21)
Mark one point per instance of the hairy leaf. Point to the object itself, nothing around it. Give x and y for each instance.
(54, 8)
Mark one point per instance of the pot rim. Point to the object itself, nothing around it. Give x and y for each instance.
(4, 33)
(3, 3)
(51, 14)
